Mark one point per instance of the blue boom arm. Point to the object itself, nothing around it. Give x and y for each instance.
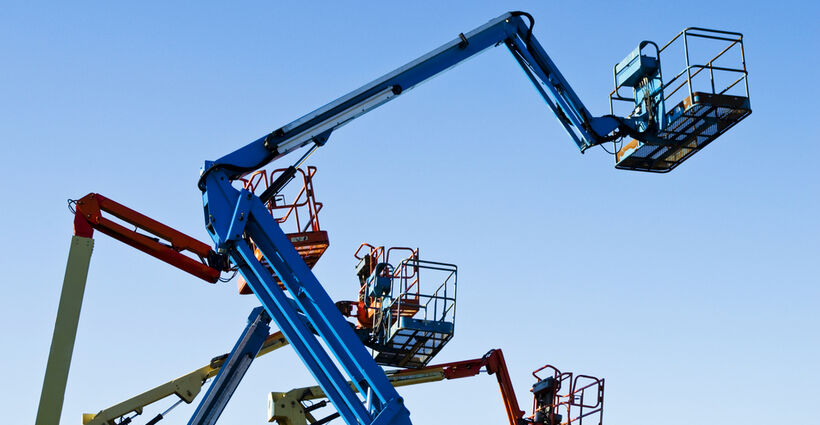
(235, 216)
(586, 131)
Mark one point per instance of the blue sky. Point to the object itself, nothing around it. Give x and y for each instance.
(695, 294)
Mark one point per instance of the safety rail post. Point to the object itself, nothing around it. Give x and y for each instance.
(577, 396)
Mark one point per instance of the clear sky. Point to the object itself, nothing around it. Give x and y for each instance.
(695, 294)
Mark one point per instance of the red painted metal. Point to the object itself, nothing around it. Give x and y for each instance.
(82, 227)
(299, 217)
(303, 211)
(89, 217)
(406, 275)
(583, 398)
(493, 362)
(496, 365)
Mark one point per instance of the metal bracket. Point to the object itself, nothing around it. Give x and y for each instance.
(240, 216)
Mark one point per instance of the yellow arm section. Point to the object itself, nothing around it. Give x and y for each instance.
(288, 409)
(186, 387)
(65, 331)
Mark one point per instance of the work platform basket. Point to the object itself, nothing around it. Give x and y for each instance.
(701, 102)
(409, 324)
(296, 210)
(563, 398)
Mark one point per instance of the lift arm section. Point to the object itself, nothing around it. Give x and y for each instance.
(233, 216)
(288, 408)
(65, 331)
(236, 365)
(495, 364)
(509, 29)
(88, 217)
(186, 387)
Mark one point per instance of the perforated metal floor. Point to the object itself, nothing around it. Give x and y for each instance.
(705, 117)
(413, 343)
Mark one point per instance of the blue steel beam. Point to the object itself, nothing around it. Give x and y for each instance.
(232, 215)
(234, 368)
(510, 29)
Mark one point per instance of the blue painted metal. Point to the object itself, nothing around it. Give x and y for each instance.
(674, 123)
(642, 72)
(377, 284)
(424, 325)
(412, 322)
(635, 66)
(234, 368)
(231, 214)
(510, 29)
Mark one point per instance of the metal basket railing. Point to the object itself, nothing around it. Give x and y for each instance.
(733, 41)
(576, 398)
(302, 211)
(586, 400)
(405, 295)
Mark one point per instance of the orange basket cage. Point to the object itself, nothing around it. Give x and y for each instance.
(406, 326)
(301, 214)
(406, 276)
(576, 399)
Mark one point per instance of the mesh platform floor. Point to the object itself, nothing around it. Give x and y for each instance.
(412, 347)
(705, 117)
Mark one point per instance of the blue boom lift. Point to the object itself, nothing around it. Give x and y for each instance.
(660, 141)
(665, 123)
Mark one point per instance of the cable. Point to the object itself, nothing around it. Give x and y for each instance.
(531, 19)
(616, 145)
(228, 279)
(71, 203)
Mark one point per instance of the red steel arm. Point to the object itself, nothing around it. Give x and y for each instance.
(496, 365)
(282, 409)
(494, 362)
(88, 216)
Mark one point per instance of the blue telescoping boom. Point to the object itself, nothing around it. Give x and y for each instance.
(315, 127)
(234, 368)
(234, 216)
